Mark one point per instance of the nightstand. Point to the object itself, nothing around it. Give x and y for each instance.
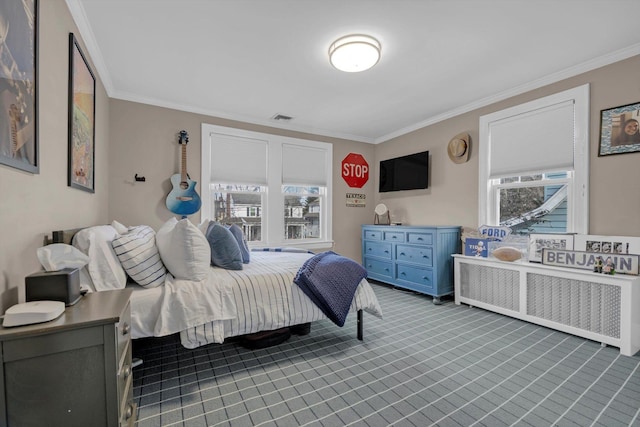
(74, 370)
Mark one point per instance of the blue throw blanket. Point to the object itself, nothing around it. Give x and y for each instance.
(330, 281)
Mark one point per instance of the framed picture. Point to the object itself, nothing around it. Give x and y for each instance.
(82, 113)
(607, 244)
(620, 130)
(540, 241)
(19, 85)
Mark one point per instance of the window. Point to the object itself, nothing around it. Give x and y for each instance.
(276, 188)
(534, 165)
(534, 203)
(240, 205)
(302, 210)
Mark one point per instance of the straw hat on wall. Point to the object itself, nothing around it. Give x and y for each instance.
(458, 148)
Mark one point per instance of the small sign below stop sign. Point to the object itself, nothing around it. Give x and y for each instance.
(355, 170)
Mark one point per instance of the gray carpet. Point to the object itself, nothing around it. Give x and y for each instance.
(422, 365)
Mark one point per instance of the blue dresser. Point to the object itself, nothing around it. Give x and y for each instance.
(416, 258)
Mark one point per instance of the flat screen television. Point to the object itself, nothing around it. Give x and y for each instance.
(405, 173)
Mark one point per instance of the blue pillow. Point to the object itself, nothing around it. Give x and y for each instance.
(242, 242)
(225, 251)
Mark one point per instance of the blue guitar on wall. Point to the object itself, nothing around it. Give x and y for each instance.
(183, 198)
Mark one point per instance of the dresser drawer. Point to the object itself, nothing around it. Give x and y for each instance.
(372, 234)
(422, 255)
(420, 279)
(379, 249)
(394, 236)
(378, 268)
(420, 238)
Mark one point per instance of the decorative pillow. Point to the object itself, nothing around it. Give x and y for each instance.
(225, 251)
(138, 254)
(184, 250)
(242, 242)
(120, 228)
(104, 267)
(58, 256)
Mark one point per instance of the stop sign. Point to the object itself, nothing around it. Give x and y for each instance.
(355, 170)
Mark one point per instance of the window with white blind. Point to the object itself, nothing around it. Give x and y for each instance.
(533, 167)
(276, 188)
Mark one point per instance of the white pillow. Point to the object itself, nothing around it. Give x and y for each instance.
(204, 226)
(139, 256)
(184, 250)
(104, 267)
(58, 256)
(120, 228)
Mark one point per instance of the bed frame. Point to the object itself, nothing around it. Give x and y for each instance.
(66, 236)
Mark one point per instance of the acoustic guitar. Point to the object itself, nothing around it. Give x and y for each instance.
(183, 198)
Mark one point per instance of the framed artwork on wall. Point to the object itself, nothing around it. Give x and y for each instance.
(19, 85)
(620, 130)
(540, 241)
(82, 113)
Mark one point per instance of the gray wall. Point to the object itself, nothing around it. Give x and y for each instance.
(33, 205)
(614, 196)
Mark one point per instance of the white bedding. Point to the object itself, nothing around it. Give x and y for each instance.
(262, 296)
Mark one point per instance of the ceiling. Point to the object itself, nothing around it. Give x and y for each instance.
(250, 60)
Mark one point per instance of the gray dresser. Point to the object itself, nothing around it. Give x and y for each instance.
(412, 257)
(72, 371)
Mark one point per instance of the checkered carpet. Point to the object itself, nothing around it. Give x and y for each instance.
(422, 365)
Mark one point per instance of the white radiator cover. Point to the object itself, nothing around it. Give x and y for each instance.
(595, 306)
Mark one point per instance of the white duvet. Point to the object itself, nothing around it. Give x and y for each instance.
(262, 296)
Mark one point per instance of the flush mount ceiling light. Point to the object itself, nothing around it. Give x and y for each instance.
(354, 53)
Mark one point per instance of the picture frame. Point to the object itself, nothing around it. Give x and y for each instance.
(620, 130)
(607, 244)
(540, 241)
(19, 86)
(82, 108)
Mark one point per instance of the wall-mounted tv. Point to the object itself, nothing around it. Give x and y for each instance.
(405, 173)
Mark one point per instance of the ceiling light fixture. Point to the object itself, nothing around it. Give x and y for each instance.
(354, 53)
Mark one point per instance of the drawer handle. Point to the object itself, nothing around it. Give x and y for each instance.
(394, 237)
(425, 256)
(402, 254)
(126, 328)
(420, 238)
(126, 372)
(386, 269)
(425, 278)
(403, 274)
(369, 266)
(386, 252)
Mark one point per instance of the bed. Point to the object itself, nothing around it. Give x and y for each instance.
(222, 303)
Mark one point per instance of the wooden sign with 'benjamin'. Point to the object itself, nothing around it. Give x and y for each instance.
(623, 263)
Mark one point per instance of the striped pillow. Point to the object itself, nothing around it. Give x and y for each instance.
(139, 256)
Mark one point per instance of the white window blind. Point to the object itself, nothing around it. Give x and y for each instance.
(541, 140)
(238, 160)
(304, 165)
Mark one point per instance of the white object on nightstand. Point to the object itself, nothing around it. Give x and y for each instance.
(32, 312)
